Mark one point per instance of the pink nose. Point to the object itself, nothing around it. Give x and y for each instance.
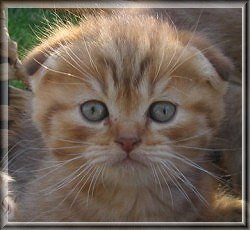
(128, 144)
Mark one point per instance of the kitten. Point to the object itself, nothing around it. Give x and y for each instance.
(126, 105)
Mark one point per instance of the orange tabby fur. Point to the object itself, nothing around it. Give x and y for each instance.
(128, 62)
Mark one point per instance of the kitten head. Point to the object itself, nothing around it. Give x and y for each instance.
(127, 93)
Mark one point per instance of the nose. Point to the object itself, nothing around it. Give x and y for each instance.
(128, 144)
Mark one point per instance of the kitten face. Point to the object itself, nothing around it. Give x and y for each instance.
(127, 97)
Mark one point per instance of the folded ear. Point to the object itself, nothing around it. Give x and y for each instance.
(34, 61)
(223, 65)
(38, 59)
(39, 67)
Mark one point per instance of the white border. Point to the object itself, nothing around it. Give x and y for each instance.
(124, 4)
(147, 4)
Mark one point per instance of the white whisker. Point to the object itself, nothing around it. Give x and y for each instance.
(187, 45)
(170, 192)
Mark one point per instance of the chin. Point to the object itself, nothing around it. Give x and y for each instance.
(128, 172)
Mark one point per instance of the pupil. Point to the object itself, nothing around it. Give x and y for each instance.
(93, 110)
(164, 111)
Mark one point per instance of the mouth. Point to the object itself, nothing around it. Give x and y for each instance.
(129, 162)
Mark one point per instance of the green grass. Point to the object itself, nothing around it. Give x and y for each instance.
(17, 83)
(25, 25)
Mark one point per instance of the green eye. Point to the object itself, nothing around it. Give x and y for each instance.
(162, 111)
(94, 111)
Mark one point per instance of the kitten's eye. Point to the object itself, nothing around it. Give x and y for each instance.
(94, 110)
(162, 111)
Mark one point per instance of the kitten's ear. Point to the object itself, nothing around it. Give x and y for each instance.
(34, 61)
(37, 64)
(42, 57)
(223, 65)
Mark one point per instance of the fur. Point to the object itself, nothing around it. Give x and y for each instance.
(118, 60)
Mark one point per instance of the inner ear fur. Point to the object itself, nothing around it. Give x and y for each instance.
(223, 65)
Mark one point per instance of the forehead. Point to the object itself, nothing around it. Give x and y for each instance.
(124, 61)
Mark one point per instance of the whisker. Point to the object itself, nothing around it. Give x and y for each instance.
(157, 177)
(80, 61)
(179, 91)
(63, 164)
(102, 176)
(176, 45)
(190, 57)
(180, 175)
(193, 164)
(80, 69)
(59, 185)
(79, 182)
(206, 149)
(153, 173)
(60, 72)
(170, 192)
(187, 45)
(175, 182)
(16, 144)
(11, 159)
(159, 67)
(90, 58)
(189, 138)
(64, 199)
(89, 176)
(96, 175)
